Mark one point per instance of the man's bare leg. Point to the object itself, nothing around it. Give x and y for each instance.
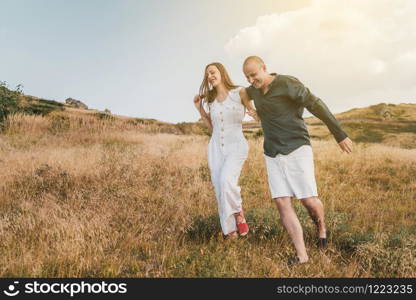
(316, 211)
(291, 223)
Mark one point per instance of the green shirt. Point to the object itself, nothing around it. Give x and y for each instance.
(280, 111)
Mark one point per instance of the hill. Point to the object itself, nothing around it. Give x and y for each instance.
(23, 109)
(389, 124)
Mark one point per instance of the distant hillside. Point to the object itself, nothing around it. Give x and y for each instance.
(63, 116)
(382, 112)
(391, 124)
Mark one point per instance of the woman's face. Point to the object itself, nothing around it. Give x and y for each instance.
(213, 76)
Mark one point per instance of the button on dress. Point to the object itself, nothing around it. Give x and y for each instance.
(227, 152)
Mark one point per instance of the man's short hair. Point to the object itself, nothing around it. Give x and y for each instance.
(256, 59)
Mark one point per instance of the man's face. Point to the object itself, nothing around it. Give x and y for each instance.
(255, 74)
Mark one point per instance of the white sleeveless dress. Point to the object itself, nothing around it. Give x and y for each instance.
(227, 152)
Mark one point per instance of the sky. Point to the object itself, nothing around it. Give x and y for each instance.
(146, 59)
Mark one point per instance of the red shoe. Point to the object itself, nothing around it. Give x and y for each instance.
(242, 226)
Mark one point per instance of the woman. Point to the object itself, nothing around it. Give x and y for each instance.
(227, 148)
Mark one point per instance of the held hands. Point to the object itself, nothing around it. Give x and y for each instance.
(346, 145)
(252, 113)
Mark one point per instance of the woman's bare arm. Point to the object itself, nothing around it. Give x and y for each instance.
(204, 115)
(246, 101)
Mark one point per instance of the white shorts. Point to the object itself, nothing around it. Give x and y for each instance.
(292, 175)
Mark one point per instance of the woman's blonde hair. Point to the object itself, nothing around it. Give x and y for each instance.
(208, 93)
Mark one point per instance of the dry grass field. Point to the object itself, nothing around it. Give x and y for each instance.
(83, 195)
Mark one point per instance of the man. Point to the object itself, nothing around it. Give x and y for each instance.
(280, 101)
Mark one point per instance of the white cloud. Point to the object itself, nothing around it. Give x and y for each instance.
(350, 53)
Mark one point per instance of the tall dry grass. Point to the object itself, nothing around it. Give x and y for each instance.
(105, 200)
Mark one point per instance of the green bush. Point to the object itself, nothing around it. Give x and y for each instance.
(9, 101)
(51, 102)
(264, 224)
(259, 133)
(142, 121)
(104, 116)
(204, 228)
(39, 108)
